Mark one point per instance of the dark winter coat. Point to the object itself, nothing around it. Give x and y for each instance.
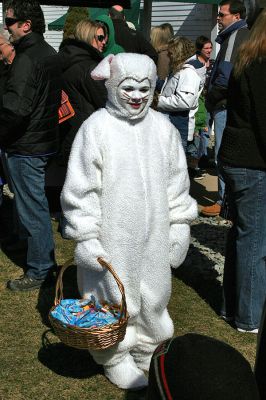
(244, 138)
(32, 94)
(133, 41)
(217, 91)
(86, 95)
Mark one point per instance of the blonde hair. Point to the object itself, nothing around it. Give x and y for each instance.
(160, 35)
(254, 48)
(180, 49)
(86, 30)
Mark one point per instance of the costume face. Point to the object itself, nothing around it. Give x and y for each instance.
(133, 95)
(100, 40)
(225, 18)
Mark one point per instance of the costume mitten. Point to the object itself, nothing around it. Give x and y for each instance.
(87, 252)
(179, 243)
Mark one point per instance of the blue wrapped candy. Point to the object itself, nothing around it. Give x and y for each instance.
(88, 313)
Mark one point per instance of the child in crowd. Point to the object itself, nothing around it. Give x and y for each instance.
(126, 199)
(181, 90)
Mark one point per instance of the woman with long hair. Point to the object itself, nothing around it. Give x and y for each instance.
(181, 90)
(79, 56)
(160, 36)
(243, 164)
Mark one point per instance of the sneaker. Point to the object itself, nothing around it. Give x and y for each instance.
(199, 174)
(227, 318)
(24, 283)
(256, 330)
(211, 211)
(196, 173)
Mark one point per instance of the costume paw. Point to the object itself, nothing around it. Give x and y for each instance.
(87, 252)
(126, 375)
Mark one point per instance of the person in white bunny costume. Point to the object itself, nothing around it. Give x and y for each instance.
(126, 199)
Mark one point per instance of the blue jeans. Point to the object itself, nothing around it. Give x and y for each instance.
(219, 118)
(244, 282)
(27, 175)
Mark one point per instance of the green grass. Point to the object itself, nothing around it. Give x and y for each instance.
(35, 365)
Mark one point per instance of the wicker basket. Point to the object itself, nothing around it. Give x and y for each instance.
(90, 338)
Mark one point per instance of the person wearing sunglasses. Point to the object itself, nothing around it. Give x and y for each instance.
(111, 47)
(29, 136)
(233, 31)
(79, 55)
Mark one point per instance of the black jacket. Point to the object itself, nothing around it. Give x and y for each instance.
(133, 41)
(32, 94)
(86, 95)
(217, 89)
(244, 138)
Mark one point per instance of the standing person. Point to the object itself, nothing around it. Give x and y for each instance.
(29, 133)
(126, 195)
(233, 31)
(111, 47)
(79, 56)
(181, 90)
(243, 158)
(132, 41)
(160, 36)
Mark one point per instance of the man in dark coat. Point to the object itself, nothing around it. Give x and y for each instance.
(131, 40)
(29, 133)
(233, 31)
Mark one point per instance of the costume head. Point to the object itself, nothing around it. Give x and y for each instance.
(130, 82)
(197, 367)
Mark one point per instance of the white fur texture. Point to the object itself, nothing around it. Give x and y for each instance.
(116, 69)
(126, 196)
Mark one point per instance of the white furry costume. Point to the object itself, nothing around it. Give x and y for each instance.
(126, 198)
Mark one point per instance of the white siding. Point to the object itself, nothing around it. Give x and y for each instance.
(188, 19)
(51, 13)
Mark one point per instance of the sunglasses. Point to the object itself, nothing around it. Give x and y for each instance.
(100, 38)
(11, 21)
(220, 14)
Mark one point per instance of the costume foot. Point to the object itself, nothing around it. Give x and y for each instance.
(126, 375)
(143, 363)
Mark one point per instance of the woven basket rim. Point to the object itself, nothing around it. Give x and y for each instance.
(67, 331)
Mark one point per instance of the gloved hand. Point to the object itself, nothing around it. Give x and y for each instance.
(179, 243)
(87, 252)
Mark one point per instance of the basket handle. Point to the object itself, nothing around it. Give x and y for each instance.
(59, 284)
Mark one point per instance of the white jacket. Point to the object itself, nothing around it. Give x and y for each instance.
(180, 93)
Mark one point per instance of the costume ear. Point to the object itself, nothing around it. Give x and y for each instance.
(102, 71)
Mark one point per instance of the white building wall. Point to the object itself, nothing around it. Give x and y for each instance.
(187, 19)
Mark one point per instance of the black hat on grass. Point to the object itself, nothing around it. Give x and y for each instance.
(197, 367)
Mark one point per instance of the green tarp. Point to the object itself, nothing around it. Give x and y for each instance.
(132, 15)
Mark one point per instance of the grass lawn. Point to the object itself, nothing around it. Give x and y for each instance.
(35, 365)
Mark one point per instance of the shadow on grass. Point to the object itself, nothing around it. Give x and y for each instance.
(215, 239)
(198, 273)
(135, 394)
(67, 361)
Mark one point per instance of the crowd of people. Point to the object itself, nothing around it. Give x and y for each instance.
(144, 113)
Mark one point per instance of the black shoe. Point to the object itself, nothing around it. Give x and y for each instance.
(24, 283)
(196, 173)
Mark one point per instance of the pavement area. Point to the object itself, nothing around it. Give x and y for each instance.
(205, 190)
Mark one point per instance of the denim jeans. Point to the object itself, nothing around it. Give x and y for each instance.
(27, 175)
(219, 118)
(244, 280)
